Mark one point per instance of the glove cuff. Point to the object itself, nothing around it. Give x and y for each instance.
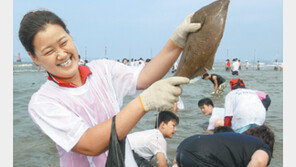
(176, 44)
(178, 38)
(142, 103)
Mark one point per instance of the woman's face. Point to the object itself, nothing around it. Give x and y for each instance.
(56, 53)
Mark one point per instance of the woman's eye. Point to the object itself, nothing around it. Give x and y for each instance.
(49, 52)
(64, 43)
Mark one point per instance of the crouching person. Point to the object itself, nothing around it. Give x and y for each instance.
(228, 149)
(149, 143)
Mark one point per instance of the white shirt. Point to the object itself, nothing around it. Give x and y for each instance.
(235, 66)
(217, 113)
(148, 143)
(245, 107)
(136, 63)
(247, 64)
(64, 114)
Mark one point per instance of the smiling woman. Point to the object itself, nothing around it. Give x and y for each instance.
(55, 51)
(75, 106)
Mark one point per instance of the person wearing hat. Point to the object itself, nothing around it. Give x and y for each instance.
(217, 80)
(247, 64)
(243, 107)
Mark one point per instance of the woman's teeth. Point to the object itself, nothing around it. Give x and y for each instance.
(66, 63)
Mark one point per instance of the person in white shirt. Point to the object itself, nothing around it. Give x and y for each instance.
(243, 107)
(207, 108)
(75, 106)
(125, 61)
(149, 143)
(141, 61)
(132, 62)
(235, 67)
(247, 64)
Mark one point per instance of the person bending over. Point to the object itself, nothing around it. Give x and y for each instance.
(207, 108)
(149, 143)
(217, 80)
(227, 149)
(243, 108)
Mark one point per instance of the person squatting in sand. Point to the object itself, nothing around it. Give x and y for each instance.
(227, 149)
(149, 143)
(207, 108)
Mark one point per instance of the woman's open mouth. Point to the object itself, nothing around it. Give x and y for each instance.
(68, 62)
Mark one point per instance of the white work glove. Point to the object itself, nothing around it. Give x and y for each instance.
(179, 36)
(163, 94)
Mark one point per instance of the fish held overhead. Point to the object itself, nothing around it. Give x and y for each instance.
(201, 46)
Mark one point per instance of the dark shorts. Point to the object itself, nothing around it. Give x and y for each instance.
(266, 102)
(234, 72)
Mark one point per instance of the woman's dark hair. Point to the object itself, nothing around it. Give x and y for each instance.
(165, 116)
(36, 21)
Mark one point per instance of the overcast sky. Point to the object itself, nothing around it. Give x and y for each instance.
(134, 29)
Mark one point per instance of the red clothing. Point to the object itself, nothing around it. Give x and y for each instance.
(228, 63)
(227, 121)
(84, 72)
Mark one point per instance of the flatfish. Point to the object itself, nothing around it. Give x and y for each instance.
(201, 46)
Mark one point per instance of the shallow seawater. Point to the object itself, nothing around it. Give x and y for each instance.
(32, 148)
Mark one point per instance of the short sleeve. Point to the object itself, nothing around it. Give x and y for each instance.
(61, 125)
(266, 148)
(212, 121)
(157, 144)
(123, 78)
